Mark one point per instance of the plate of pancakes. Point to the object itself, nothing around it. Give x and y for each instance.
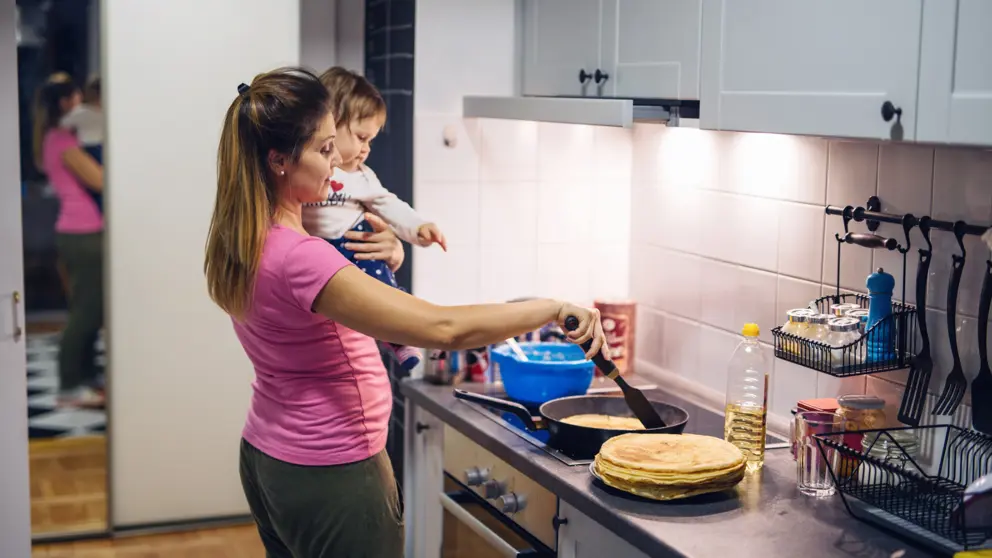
(668, 466)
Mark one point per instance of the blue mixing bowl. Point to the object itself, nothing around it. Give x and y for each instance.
(553, 370)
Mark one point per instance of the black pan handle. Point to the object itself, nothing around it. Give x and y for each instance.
(868, 240)
(517, 409)
(605, 366)
(983, 313)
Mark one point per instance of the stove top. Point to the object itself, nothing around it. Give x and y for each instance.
(701, 421)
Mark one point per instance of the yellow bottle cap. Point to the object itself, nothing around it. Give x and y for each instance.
(751, 330)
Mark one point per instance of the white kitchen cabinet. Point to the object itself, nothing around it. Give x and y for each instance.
(15, 517)
(956, 73)
(651, 48)
(811, 67)
(561, 39)
(581, 537)
(423, 478)
(641, 48)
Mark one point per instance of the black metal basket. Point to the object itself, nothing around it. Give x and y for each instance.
(897, 332)
(902, 488)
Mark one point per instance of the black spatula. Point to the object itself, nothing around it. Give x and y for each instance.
(634, 397)
(981, 387)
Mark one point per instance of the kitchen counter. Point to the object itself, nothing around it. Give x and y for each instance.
(765, 515)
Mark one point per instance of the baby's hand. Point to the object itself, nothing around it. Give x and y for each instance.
(429, 234)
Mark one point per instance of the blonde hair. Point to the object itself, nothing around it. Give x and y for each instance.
(352, 96)
(48, 110)
(280, 112)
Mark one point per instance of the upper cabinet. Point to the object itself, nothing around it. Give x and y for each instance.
(956, 73)
(612, 48)
(812, 67)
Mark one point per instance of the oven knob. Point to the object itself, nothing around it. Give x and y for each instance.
(512, 503)
(474, 476)
(492, 489)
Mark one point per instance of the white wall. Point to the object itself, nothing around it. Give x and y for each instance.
(349, 27)
(729, 228)
(318, 34)
(179, 380)
(15, 514)
(515, 199)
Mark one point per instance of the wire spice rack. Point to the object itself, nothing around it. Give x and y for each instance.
(900, 487)
(888, 345)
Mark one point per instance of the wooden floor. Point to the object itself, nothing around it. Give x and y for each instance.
(232, 542)
(68, 485)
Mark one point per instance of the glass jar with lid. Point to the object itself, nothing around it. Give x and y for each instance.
(894, 448)
(797, 324)
(861, 314)
(842, 308)
(843, 332)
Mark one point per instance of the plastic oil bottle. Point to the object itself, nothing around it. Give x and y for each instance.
(747, 398)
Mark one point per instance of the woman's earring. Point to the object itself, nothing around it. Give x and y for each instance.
(282, 172)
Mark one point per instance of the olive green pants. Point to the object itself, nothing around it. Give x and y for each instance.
(82, 255)
(350, 510)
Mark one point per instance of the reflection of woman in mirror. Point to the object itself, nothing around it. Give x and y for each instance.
(73, 174)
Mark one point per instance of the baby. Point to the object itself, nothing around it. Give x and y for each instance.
(86, 120)
(355, 189)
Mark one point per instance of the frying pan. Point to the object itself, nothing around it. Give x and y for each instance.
(580, 442)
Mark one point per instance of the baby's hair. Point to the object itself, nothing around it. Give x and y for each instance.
(352, 96)
(92, 90)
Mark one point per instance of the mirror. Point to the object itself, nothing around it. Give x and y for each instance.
(61, 126)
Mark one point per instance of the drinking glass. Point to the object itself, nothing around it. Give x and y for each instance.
(813, 467)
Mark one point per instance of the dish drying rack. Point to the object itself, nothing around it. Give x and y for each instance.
(901, 487)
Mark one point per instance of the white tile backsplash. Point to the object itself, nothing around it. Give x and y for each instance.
(705, 230)
(800, 240)
(763, 244)
(436, 162)
(509, 151)
(565, 152)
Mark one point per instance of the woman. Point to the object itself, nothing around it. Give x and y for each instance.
(313, 463)
(79, 237)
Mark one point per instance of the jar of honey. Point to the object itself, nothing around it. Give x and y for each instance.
(863, 412)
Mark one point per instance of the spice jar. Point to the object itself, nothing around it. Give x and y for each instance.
(796, 324)
(843, 333)
(861, 314)
(840, 309)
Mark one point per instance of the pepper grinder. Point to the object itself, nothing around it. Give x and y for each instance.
(881, 340)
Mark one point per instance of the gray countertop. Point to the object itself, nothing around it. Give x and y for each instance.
(764, 516)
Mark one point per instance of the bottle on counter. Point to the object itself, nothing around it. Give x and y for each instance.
(745, 419)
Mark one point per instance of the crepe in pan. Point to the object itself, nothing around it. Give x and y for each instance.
(605, 422)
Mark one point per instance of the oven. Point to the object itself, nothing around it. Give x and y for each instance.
(490, 509)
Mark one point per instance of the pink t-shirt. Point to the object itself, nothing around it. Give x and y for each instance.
(78, 212)
(321, 394)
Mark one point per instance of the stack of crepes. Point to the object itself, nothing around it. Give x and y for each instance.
(669, 466)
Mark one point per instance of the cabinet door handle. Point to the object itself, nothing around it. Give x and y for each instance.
(584, 76)
(15, 306)
(557, 522)
(420, 427)
(889, 110)
(600, 76)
